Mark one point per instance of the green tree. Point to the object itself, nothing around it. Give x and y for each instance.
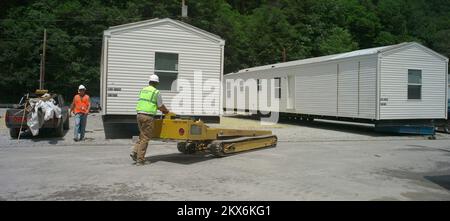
(337, 41)
(256, 32)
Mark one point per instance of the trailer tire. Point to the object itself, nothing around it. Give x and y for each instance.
(14, 132)
(186, 148)
(60, 130)
(181, 146)
(191, 148)
(216, 149)
(66, 123)
(276, 142)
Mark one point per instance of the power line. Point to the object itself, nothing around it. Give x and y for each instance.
(26, 39)
(52, 41)
(80, 40)
(69, 20)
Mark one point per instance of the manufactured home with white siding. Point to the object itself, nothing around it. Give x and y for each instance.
(406, 81)
(188, 61)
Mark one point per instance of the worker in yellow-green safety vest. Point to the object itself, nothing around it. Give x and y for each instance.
(149, 103)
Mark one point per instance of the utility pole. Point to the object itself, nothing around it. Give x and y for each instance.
(284, 54)
(184, 9)
(42, 74)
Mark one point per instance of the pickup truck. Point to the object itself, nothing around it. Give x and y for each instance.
(14, 117)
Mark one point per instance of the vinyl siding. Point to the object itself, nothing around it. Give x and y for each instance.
(316, 88)
(366, 86)
(394, 85)
(130, 62)
(348, 89)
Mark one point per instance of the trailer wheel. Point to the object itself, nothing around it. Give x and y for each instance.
(60, 129)
(216, 149)
(66, 123)
(186, 148)
(275, 143)
(14, 132)
(191, 148)
(181, 146)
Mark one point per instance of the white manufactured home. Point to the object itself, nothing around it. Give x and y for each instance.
(398, 82)
(188, 61)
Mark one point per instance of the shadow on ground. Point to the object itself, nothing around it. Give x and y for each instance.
(361, 129)
(180, 158)
(45, 134)
(436, 179)
(442, 180)
(415, 147)
(195, 158)
(120, 131)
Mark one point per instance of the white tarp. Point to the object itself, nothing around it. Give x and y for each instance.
(41, 111)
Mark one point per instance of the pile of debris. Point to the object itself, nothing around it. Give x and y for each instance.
(39, 110)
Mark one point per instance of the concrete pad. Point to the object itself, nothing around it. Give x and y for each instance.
(318, 161)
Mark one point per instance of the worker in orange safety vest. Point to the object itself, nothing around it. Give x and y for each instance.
(80, 107)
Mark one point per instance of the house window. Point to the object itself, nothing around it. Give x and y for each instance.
(228, 89)
(258, 84)
(166, 67)
(414, 84)
(277, 87)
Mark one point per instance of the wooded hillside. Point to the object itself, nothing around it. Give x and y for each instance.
(256, 32)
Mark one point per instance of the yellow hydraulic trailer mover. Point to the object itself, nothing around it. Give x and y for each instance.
(195, 136)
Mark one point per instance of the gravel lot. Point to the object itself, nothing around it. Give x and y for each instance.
(318, 131)
(323, 160)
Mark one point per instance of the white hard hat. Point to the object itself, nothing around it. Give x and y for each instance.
(81, 87)
(154, 78)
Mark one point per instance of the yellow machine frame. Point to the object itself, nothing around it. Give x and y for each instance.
(195, 136)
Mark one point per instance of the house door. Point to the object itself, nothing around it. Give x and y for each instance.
(290, 98)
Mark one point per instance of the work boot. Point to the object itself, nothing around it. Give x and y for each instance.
(133, 156)
(142, 163)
